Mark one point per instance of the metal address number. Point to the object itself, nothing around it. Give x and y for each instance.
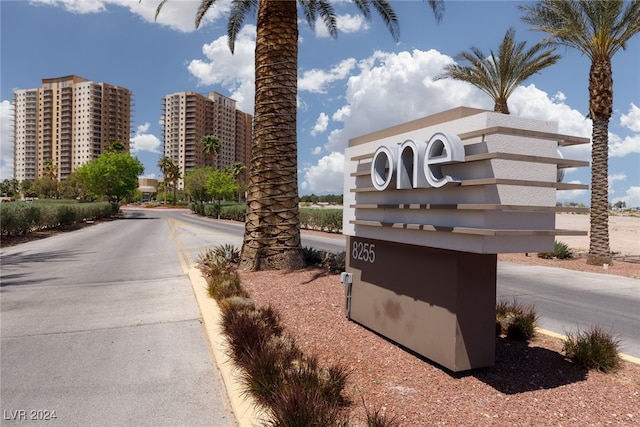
(363, 251)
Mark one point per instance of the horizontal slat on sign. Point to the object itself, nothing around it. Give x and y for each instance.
(563, 140)
(502, 181)
(362, 157)
(565, 163)
(469, 230)
(461, 206)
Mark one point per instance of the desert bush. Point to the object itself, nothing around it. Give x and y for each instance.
(218, 265)
(329, 220)
(515, 320)
(560, 250)
(235, 212)
(227, 251)
(274, 371)
(310, 396)
(594, 348)
(334, 263)
(311, 256)
(248, 330)
(22, 218)
(377, 418)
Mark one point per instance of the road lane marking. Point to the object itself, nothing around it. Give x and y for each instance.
(183, 253)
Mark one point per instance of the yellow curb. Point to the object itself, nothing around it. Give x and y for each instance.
(563, 337)
(246, 410)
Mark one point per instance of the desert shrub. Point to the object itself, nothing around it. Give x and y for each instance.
(329, 220)
(66, 215)
(593, 349)
(21, 217)
(227, 251)
(235, 212)
(310, 395)
(218, 265)
(560, 250)
(311, 256)
(291, 386)
(249, 330)
(515, 320)
(18, 218)
(334, 263)
(377, 418)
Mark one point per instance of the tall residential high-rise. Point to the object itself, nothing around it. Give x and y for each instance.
(188, 117)
(69, 120)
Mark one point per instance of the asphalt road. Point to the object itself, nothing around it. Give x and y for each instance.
(100, 327)
(565, 300)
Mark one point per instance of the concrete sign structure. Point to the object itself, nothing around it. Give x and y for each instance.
(428, 205)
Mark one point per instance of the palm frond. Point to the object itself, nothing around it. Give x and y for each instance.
(311, 8)
(239, 9)
(388, 16)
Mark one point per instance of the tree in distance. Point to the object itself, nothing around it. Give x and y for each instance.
(111, 175)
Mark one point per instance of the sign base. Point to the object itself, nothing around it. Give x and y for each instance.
(435, 302)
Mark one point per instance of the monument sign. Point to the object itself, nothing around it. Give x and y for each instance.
(428, 205)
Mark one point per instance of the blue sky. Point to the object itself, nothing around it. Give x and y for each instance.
(354, 85)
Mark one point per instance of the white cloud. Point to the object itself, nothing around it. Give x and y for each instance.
(341, 114)
(392, 88)
(326, 176)
(316, 80)
(316, 150)
(615, 178)
(345, 23)
(571, 194)
(620, 147)
(76, 6)
(143, 141)
(631, 120)
(235, 71)
(6, 140)
(177, 14)
(632, 198)
(321, 124)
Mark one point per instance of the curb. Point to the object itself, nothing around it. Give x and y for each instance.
(245, 409)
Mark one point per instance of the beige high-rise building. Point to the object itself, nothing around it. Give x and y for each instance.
(188, 117)
(69, 120)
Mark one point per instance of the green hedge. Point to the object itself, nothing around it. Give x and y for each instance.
(329, 220)
(21, 217)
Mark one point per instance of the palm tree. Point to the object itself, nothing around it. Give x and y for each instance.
(174, 175)
(498, 76)
(597, 29)
(166, 164)
(237, 171)
(272, 226)
(51, 172)
(211, 146)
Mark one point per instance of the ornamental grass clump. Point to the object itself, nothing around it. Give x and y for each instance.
(515, 320)
(275, 372)
(594, 348)
(376, 417)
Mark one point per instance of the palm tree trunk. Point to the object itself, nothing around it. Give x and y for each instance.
(500, 106)
(272, 228)
(600, 108)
